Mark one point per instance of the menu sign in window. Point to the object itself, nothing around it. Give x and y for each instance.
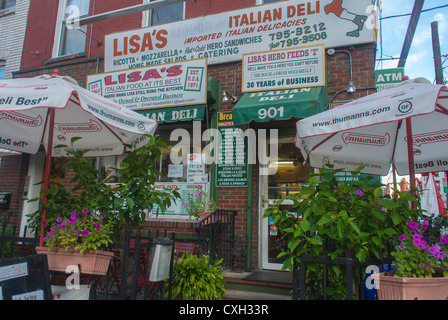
(232, 156)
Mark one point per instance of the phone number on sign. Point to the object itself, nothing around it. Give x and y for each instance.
(290, 38)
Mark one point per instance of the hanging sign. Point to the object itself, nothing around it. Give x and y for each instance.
(232, 157)
(284, 69)
(388, 77)
(166, 85)
(226, 36)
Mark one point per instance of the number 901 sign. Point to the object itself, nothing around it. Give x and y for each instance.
(271, 113)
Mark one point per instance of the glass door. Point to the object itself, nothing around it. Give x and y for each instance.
(288, 179)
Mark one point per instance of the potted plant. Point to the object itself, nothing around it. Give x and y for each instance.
(339, 219)
(194, 278)
(79, 241)
(198, 205)
(420, 266)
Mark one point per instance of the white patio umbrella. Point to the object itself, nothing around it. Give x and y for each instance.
(53, 109)
(406, 125)
(431, 200)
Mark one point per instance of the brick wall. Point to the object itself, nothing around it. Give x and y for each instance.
(41, 28)
(12, 34)
(13, 171)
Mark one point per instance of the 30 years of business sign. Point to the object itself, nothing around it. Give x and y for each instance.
(225, 37)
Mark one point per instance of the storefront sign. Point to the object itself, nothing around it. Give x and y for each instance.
(388, 77)
(284, 69)
(232, 157)
(224, 37)
(175, 114)
(165, 85)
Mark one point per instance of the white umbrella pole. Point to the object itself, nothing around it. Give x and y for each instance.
(43, 222)
(410, 154)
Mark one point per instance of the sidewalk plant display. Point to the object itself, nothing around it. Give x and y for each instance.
(135, 194)
(126, 202)
(198, 204)
(79, 240)
(421, 266)
(194, 278)
(334, 218)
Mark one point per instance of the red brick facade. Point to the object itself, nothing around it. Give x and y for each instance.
(14, 169)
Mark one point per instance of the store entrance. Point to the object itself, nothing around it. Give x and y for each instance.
(290, 176)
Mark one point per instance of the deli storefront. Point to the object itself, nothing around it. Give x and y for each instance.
(271, 61)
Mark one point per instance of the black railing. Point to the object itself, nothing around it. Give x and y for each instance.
(129, 271)
(216, 237)
(315, 284)
(127, 277)
(12, 245)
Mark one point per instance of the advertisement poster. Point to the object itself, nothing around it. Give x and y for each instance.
(174, 84)
(225, 37)
(284, 69)
(232, 156)
(185, 189)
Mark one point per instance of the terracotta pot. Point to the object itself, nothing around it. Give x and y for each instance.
(94, 263)
(396, 288)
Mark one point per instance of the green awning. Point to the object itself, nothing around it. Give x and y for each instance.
(174, 114)
(279, 104)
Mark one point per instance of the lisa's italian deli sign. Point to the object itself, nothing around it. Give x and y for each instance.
(225, 37)
(165, 85)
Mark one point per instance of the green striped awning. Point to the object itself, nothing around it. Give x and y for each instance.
(279, 104)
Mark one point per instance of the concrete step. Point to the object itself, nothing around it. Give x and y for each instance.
(259, 285)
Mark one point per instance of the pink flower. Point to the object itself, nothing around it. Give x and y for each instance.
(444, 240)
(98, 226)
(425, 224)
(85, 210)
(412, 225)
(402, 238)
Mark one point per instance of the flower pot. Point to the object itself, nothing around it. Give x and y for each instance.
(94, 263)
(396, 288)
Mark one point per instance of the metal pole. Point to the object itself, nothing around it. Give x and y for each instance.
(418, 4)
(43, 221)
(436, 52)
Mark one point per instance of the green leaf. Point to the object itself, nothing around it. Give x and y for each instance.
(325, 219)
(305, 225)
(341, 228)
(293, 243)
(316, 240)
(355, 227)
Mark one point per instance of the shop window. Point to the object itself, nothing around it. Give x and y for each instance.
(2, 69)
(292, 173)
(167, 14)
(190, 174)
(71, 39)
(6, 4)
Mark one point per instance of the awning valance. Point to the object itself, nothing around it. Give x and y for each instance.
(279, 104)
(174, 114)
